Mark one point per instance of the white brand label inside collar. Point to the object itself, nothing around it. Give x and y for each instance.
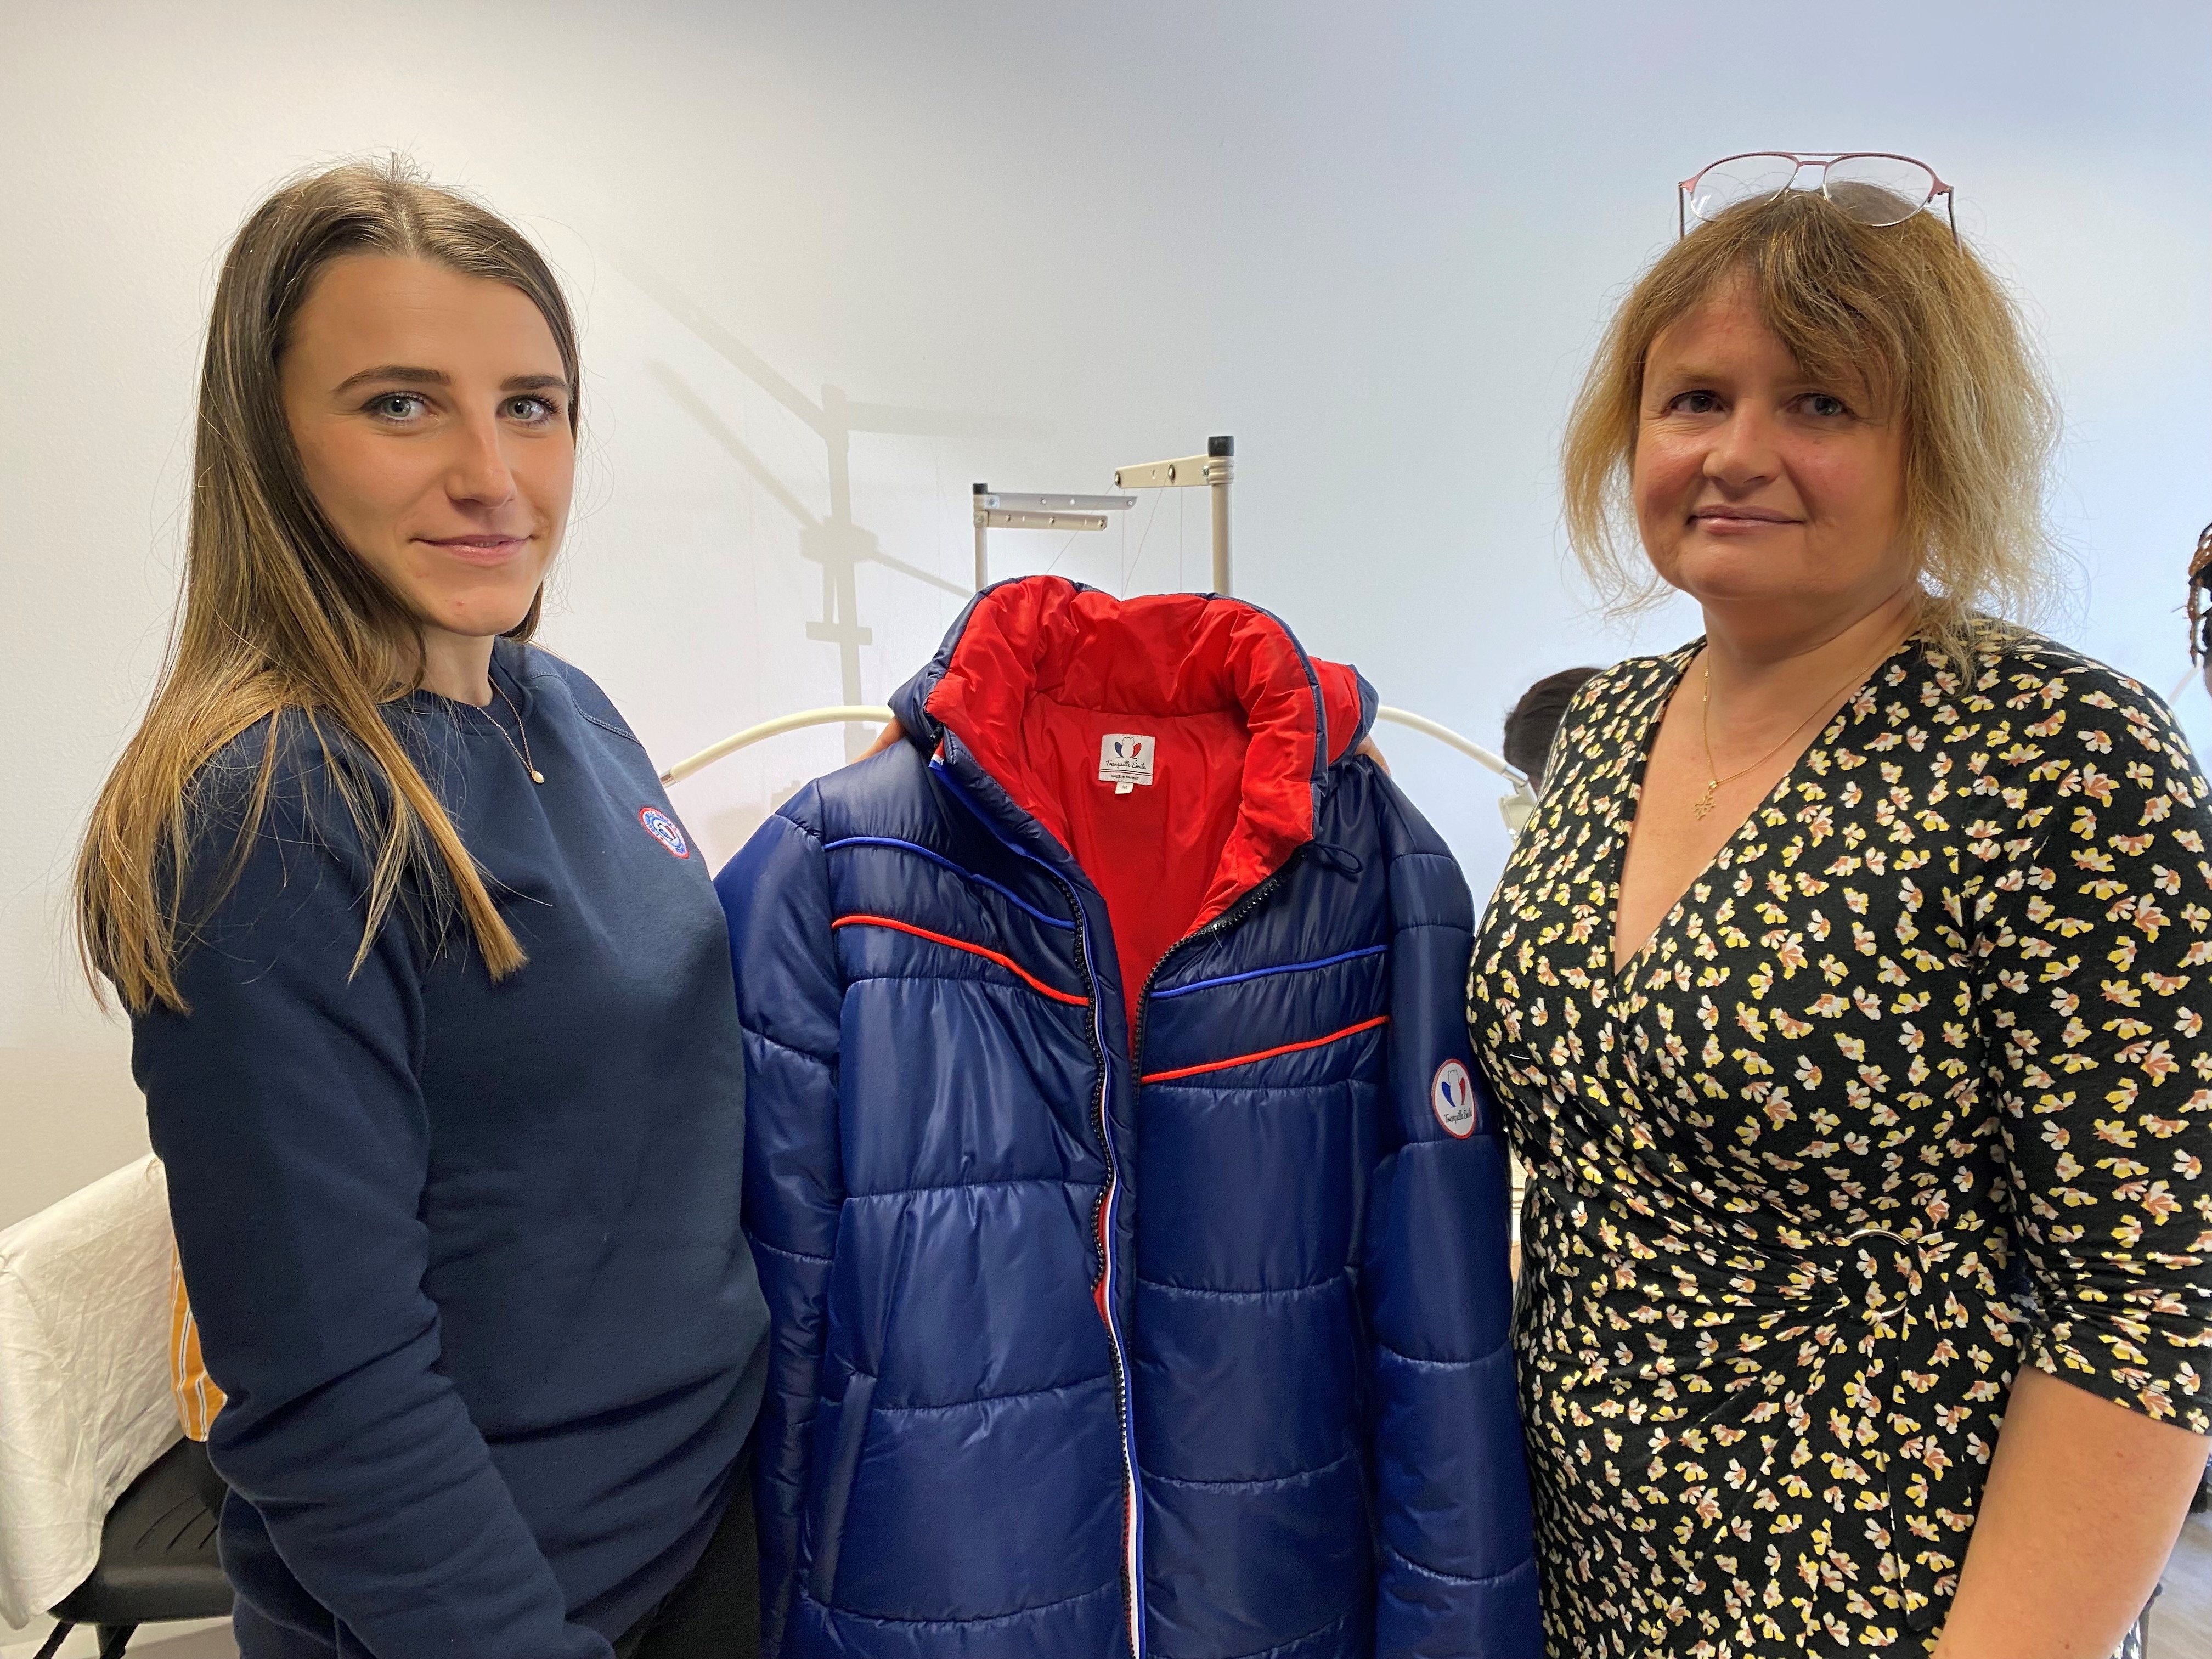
(1125, 760)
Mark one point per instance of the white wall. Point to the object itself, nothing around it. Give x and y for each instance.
(1373, 241)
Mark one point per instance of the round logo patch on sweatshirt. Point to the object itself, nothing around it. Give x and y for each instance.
(662, 829)
(1451, 1093)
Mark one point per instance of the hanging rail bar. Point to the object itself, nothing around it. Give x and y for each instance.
(862, 714)
(1004, 509)
(1514, 807)
(1475, 752)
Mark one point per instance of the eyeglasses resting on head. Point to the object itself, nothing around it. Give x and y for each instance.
(1871, 186)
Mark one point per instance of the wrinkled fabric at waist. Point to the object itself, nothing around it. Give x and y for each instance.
(1838, 1392)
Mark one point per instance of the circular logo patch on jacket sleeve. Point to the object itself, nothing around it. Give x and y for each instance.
(1451, 1093)
(662, 829)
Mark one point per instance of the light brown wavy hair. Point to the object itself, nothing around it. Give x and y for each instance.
(1908, 312)
(279, 620)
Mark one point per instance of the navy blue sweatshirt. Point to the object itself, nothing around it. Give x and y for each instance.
(464, 1256)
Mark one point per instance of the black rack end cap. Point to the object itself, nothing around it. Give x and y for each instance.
(982, 489)
(1221, 445)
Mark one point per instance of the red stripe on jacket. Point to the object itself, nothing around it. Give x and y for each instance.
(1266, 1053)
(1005, 962)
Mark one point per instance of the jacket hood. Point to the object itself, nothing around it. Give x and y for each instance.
(1046, 640)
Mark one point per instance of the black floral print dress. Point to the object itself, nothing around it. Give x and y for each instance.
(1911, 1088)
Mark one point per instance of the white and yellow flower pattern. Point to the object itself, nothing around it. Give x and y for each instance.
(1911, 1088)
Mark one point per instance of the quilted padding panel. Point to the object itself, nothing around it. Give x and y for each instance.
(965, 1108)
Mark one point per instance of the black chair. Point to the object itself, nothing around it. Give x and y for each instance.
(157, 1556)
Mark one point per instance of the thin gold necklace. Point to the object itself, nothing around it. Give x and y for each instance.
(1703, 803)
(523, 753)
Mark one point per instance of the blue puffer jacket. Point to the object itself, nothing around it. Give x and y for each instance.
(1133, 1231)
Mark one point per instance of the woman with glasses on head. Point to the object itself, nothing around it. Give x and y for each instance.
(1847, 992)
(430, 998)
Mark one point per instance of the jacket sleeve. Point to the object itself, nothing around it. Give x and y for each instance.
(776, 894)
(1457, 1573)
(286, 1106)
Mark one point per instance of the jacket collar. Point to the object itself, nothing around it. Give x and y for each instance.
(1162, 654)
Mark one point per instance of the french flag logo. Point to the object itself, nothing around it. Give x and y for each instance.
(1451, 1096)
(1126, 759)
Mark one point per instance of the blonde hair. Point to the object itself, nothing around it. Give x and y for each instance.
(1938, 344)
(279, 619)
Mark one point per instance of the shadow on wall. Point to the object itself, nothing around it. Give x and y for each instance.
(831, 539)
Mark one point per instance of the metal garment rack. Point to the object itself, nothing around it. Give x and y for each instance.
(1212, 471)
(998, 509)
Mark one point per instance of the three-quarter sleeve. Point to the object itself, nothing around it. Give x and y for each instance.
(2096, 936)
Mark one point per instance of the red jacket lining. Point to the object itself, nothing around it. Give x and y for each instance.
(1044, 672)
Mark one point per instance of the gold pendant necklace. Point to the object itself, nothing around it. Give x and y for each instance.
(523, 753)
(1703, 805)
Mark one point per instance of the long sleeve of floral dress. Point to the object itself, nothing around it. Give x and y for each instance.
(2096, 969)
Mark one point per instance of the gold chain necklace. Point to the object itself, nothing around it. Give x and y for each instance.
(1703, 803)
(523, 753)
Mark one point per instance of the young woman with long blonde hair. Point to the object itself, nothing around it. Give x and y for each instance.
(430, 997)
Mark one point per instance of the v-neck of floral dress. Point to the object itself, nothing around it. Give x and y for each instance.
(1907, 1089)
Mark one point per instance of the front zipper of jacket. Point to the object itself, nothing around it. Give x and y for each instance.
(1102, 1214)
(1101, 1219)
(1221, 924)
(1133, 1555)
(1132, 1566)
